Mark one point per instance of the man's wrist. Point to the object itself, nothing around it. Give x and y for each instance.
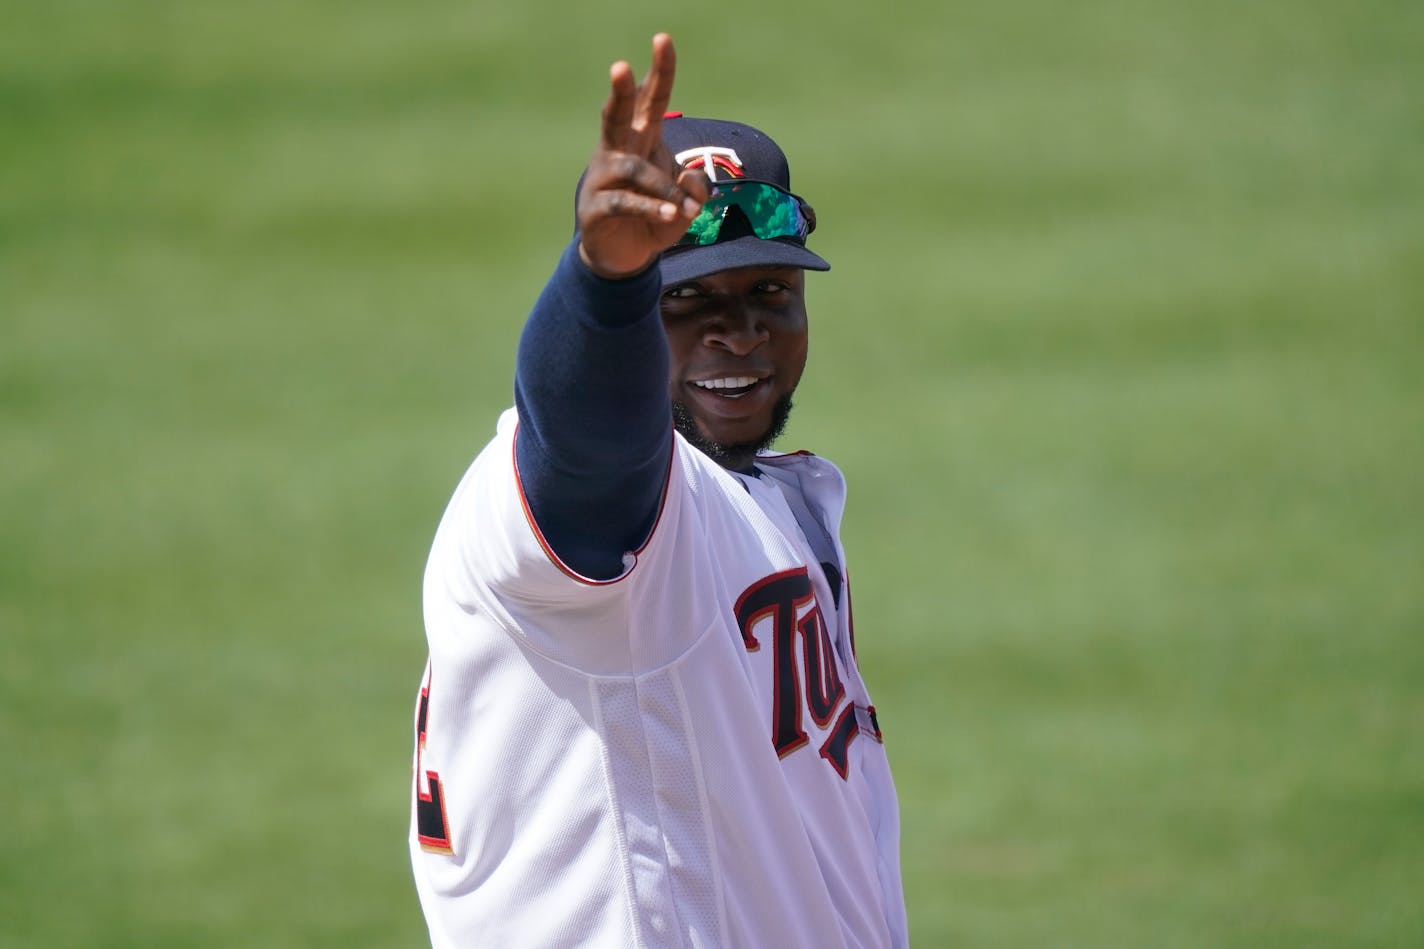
(603, 274)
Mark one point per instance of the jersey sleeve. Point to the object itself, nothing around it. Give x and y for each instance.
(489, 561)
(595, 433)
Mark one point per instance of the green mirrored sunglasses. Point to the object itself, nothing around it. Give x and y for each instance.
(771, 212)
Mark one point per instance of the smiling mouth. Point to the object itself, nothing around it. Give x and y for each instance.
(729, 387)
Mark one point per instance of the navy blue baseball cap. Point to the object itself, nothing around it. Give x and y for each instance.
(732, 154)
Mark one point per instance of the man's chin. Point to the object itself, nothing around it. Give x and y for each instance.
(736, 456)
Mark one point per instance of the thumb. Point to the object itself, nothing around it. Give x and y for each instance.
(695, 184)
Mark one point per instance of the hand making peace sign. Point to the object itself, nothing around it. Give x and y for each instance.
(634, 202)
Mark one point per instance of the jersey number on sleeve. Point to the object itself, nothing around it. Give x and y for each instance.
(431, 827)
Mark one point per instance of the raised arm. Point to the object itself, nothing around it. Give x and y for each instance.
(591, 382)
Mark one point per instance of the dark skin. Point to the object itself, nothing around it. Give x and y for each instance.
(635, 201)
(740, 333)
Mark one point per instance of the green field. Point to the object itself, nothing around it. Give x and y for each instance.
(1122, 354)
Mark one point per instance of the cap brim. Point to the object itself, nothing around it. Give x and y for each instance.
(681, 264)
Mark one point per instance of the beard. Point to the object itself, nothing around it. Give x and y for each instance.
(738, 457)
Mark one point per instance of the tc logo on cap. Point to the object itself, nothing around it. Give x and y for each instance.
(708, 158)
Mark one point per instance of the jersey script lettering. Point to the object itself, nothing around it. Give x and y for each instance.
(786, 601)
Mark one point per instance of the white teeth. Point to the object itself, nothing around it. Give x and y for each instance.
(731, 382)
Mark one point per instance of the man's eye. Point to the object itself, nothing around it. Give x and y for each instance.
(680, 293)
(771, 286)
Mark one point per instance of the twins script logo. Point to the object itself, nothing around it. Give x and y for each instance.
(806, 681)
(709, 158)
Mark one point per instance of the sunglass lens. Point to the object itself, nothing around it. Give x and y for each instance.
(770, 211)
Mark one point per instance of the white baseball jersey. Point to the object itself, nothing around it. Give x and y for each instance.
(684, 756)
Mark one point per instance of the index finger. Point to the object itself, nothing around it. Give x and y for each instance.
(633, 113)
(618, 110)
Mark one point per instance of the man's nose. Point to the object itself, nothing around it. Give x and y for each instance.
(736, 330)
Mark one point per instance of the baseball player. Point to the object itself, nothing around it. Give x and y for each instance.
(642, 723)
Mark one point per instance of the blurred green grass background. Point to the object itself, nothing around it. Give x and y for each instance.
(1122, 356)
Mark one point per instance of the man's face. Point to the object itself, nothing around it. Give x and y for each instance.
(737, 341)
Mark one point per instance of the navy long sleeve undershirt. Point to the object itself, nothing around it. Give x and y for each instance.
(595, 429)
